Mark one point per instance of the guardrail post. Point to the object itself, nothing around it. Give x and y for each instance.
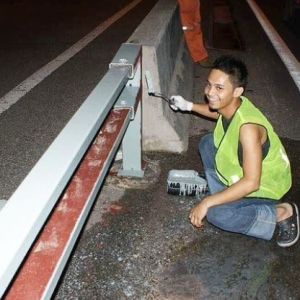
(131, 97)
(131, 147)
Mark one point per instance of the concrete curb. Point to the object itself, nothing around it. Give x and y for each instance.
(166, 57)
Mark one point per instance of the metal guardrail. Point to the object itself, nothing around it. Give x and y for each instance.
(26, 212)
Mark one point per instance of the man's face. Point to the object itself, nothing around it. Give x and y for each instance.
(219, 90)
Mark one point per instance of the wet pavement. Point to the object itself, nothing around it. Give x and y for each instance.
(138, 242)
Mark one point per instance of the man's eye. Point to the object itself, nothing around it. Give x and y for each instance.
(219, 88)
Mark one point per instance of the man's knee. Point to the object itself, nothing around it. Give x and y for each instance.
(216, 216)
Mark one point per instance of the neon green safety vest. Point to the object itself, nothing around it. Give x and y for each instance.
(276, 172)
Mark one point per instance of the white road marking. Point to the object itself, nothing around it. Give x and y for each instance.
(24, 87)
(283, 51)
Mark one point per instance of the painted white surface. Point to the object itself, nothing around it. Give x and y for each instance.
(171, 70)
(2, 203)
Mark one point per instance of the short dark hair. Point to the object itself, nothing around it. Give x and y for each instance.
(234, 67)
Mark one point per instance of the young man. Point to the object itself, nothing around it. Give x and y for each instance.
(245, 164)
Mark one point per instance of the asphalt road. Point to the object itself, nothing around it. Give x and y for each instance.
(32, 34)
(289, 33)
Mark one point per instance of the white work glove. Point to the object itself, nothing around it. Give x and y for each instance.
(180, 103)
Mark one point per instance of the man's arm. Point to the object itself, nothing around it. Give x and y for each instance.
(199, 108)
(204, 110)
(252, 137)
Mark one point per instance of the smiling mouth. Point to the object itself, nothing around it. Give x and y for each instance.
(212, 100)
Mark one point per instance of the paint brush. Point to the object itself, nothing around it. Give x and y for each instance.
(151, 90)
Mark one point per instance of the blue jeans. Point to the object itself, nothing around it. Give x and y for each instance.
(250, 216)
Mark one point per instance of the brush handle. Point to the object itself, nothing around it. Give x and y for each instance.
(170, 101)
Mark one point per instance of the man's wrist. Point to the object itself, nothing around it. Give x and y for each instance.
(190, 106)
(206, 201)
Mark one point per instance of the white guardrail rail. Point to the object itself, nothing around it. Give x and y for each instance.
(41, 221)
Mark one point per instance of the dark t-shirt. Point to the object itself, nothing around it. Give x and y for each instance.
(265, 146)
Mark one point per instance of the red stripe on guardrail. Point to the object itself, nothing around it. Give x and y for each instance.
(37, 269)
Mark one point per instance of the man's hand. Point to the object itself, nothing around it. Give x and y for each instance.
(198, 213)
(181, 103)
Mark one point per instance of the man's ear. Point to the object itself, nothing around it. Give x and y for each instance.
(238, 91)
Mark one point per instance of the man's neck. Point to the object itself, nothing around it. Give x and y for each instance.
(228, 111)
